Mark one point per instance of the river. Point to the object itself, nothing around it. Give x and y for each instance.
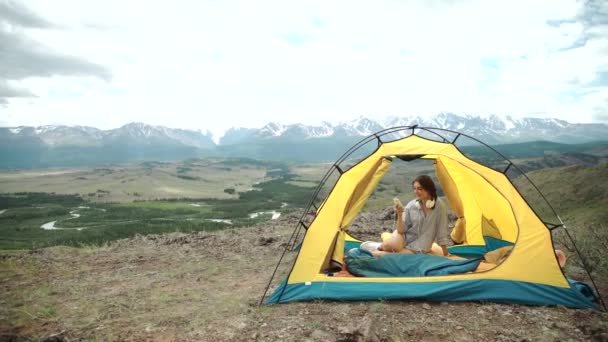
(51, 225)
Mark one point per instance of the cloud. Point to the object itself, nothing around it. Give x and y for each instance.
(6, 91)
(22, 57)
(595, 12)
(16, 14)
(238, 63)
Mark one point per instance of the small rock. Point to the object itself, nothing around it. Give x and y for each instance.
(366, 328)
(459, 327)
(426, 306)
(601, 337)
(560, 325)
(320, 334)
(264, 241)
(345, 329)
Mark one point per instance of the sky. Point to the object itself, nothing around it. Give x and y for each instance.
(212, 65)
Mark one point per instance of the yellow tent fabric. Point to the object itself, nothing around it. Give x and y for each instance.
(451, 192)
(486, 195)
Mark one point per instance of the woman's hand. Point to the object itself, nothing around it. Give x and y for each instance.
(398, 210)
(398, 206)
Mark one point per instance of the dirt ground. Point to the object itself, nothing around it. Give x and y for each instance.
(206, 287)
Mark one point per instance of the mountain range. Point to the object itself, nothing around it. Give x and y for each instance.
(46, 146)
(492, 129)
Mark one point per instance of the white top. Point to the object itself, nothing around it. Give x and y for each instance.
(421, 231)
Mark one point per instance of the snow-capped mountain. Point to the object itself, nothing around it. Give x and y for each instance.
(79, 145)
(54, 135)
(133, 133)
(328, 141)
(142, 132)
(491, 129)
(45, 146)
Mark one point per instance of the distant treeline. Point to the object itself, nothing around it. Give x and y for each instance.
(25, 199)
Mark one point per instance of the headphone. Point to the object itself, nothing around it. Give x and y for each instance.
(429, 204)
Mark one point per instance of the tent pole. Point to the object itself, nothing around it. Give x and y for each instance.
(295, 240)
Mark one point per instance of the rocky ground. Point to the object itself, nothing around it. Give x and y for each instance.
(206, 286)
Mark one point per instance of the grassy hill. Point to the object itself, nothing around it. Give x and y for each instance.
(536, 155)
(578, 194)
(575, 189)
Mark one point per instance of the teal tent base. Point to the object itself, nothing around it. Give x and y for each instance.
(579, 295)
(476, 251)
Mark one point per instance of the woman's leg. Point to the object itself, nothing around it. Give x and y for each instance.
(393, 243)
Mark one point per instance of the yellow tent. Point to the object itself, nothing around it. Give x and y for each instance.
(491, 211)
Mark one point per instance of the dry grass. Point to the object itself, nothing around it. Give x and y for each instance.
(206, 286)
(141, 182)
(180, 285)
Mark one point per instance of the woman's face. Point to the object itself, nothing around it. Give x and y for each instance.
(420, 193)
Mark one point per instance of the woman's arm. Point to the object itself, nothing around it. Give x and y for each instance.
(400, 224)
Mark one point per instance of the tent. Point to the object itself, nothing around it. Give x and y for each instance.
(492, 213)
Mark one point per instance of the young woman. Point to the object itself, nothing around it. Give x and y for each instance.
(423, 221)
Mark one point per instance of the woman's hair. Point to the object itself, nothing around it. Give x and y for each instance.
(427, 184)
